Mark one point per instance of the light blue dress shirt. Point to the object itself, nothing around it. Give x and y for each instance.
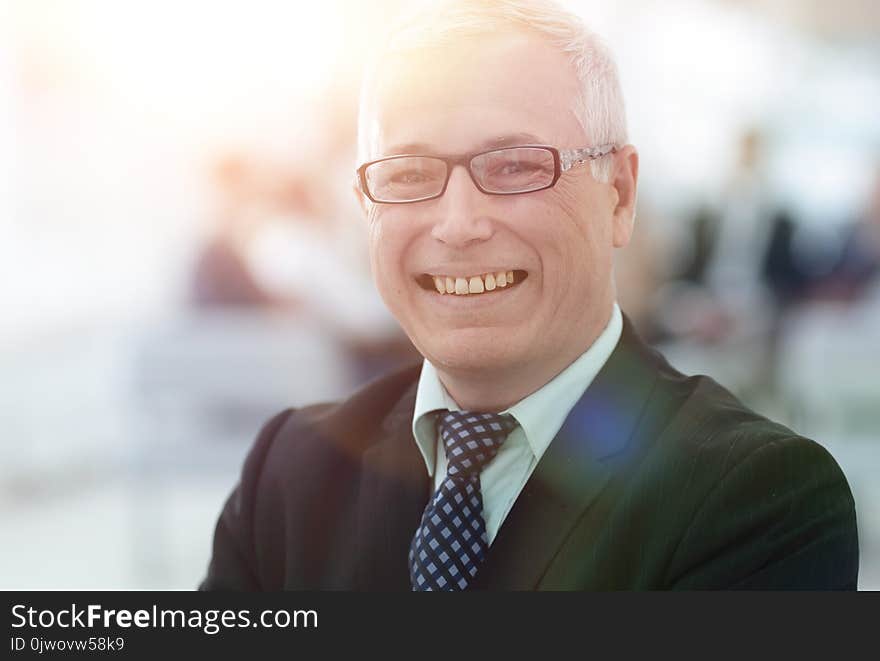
(540, 416)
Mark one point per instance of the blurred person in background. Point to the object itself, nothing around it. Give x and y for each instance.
(739, 277)
(721, 289)
(856, 273)
(275, 245)
(221, 275)
(742, 230)
(540, 443)
(301, 252)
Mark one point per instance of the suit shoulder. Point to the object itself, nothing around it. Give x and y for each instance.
(706, 434)
(781, 516)
(710, 420)
(349, 425)
(744, 501)
(715, 442)
(693, 414)
(363, 410)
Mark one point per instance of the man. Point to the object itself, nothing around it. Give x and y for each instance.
(541, 444)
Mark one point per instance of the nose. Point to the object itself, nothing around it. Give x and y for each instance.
(462, 217)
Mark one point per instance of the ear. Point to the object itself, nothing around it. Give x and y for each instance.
(624, 179)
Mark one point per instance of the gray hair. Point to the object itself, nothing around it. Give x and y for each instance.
(436, 23)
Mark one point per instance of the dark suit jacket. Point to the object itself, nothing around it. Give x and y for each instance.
(655, 481)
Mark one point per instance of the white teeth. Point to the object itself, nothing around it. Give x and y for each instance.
(475, 285)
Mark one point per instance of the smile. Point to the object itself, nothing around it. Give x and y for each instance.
(473, 284)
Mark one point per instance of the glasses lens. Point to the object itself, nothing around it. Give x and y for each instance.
(514, 170)
(406, 178)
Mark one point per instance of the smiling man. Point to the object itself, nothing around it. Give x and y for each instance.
(540, 444)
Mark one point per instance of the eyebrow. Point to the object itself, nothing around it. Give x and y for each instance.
(497, 142)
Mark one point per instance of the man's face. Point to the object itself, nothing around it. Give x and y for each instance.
(558, 242)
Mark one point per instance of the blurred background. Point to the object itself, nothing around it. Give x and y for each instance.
(181, 255)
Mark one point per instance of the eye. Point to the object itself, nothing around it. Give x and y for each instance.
(514, 168)
(411, 177)
(517, 167)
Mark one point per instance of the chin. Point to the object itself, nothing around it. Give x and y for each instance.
(472, 349)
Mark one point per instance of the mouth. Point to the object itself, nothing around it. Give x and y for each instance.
(479, 284)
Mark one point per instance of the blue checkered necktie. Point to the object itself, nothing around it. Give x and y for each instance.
(451, 542)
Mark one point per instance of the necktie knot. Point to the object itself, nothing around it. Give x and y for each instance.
(471, 440)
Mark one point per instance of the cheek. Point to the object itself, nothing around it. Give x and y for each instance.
(582, 210)
(379, 250)
(578, 228)
(575, 247)
(386, 251)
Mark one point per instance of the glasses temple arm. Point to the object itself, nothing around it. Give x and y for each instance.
(572, 157)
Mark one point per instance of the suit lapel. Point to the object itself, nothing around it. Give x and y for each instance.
(573, 471)
(393, 495)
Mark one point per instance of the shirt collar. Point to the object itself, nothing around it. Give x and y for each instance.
(540, 414)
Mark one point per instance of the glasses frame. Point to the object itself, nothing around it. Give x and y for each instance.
(563, 161)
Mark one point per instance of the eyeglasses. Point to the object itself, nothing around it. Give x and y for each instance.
(509, 171)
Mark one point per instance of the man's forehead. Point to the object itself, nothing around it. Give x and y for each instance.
(493, 142)
(504, 90)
